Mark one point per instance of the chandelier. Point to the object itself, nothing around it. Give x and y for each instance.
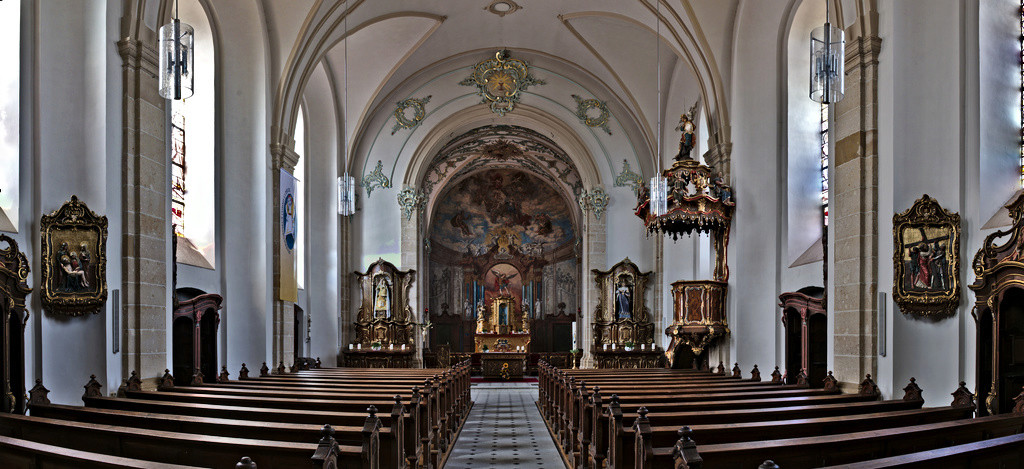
(177, 59)
(827, 56)
(346, 183)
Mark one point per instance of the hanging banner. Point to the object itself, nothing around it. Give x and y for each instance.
(289, 287)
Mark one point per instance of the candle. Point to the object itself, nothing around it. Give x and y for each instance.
(359, 346)
(391, 346)
(403, 346)
(350, 346)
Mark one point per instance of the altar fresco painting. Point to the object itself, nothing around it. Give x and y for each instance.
(487, 206)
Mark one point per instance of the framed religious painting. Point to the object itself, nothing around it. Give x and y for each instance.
(926, 261)
(74, 262)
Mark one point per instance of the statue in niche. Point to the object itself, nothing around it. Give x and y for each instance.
(624, 299)
(503, 314)
(382, 299)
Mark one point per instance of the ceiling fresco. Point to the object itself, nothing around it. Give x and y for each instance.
(502, 146)
(503, 207)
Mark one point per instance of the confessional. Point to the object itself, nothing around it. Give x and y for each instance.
(999, 315)
(804, 319)
(13, 290)
(194, 325)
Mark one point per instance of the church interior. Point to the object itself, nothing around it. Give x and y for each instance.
(512, 233)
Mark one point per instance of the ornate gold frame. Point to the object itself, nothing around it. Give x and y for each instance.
(73, 223)
(926, 213)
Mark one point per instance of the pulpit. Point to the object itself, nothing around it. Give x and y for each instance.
(501, 328)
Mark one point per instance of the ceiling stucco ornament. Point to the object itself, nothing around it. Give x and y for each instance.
(411, 200)
(503, 7)
(593, 113)
(403, 120)
(376, 179)
(627, 178)
(595, 200)
(502, 150)
(500, 81)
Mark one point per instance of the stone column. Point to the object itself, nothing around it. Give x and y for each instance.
(146, 226)
(854, 217)
(719, 156)
(283, 339)
(594, 256)
(346, 314)
(411, 202)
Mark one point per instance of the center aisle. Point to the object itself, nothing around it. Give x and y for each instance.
(504, 430)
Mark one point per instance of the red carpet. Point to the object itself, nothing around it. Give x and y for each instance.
(528, 379)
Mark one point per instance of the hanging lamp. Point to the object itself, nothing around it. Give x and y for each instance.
(828, 47)
(346, 183)
(659, 184)
(177, 59)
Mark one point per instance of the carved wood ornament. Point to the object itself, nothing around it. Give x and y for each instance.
(621, 315)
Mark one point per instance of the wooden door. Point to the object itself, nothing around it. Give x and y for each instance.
(1011, 348)
(208, 346)
(817, 350)
(794, 345)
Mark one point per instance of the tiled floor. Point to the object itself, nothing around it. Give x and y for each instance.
(504, 430)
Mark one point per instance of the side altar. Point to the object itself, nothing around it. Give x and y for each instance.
(502, 328)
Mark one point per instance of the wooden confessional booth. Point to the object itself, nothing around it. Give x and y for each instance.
(999, 315)
(196, 319)
(803, 316)
(13, 290)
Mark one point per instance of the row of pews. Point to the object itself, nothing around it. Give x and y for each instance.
(701, 419)
(324, 418)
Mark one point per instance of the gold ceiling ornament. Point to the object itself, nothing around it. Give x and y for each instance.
(503, 7)
(926, 261)
(404, 120)
(585, 112)
(500, 81)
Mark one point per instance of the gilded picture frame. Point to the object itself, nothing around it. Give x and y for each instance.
(926, 260)
(74, 261)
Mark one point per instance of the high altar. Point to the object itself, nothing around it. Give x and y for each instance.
(501, 327)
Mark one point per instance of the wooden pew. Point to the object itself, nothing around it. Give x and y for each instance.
(1006, 451)
(182, 448)
(26, 454)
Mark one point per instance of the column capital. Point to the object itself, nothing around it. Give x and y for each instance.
(283, 156)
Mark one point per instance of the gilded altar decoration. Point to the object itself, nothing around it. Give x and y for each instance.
(385, 316)
(403, 120)
(74, 261)
(621, 316)
(501, 81)
(13, 290)
(376, 179)
(926, 261)
(627, 178)
(699, 201)
(411, 201)
(593, 113)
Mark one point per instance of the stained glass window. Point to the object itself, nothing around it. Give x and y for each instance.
(824, 161)
(300, 199)
(178, 168)
(1021, 37)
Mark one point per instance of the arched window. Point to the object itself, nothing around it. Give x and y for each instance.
(193, 156)
(10, 56)
(300, 199)
(1021, 57)
(807, 140)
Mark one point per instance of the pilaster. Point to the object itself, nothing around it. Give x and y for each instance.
(283, 339)
(145, 226)
(854, 217)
